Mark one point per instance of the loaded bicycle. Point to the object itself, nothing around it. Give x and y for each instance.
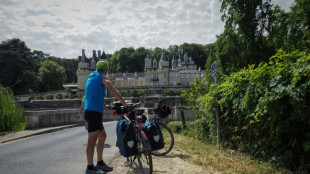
(134, 143)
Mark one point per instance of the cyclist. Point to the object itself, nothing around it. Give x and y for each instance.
(94, 107)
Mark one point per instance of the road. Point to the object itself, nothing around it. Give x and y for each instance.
(60, 152)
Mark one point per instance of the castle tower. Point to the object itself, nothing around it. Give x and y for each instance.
(154, 65)
(148, 62)
(163, 63)
(174, 63)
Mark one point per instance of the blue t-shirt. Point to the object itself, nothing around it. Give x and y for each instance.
(94, 93)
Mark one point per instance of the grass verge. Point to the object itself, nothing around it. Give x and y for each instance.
(220, 160)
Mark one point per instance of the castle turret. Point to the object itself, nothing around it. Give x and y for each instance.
(154, 65)
(94, 54)
(83, 55)
(148, 62)
(163, 63)
(174, 63)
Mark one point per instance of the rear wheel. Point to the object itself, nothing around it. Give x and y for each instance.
(144, 156)
(168, 141)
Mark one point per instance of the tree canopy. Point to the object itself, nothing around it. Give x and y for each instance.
(51, 75)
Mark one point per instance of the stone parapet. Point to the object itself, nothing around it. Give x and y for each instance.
(48, 118)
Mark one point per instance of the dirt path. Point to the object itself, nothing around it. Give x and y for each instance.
(173, 163)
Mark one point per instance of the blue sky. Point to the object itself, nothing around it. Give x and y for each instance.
(63, 27)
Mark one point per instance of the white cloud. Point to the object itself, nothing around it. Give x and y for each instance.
(62, 28)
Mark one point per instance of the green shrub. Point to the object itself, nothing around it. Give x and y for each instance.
(167, 93)
(141, 93)
(38, 97)
(59, 96)
(175, 126)
(49, 96)
(123, 93)
(264, 110)
(66, 96)
(132, 93)
(74, 96)
(31, 98)
(11, 115)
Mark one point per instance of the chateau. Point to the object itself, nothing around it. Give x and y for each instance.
(158, 75)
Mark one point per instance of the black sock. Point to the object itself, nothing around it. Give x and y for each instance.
(100, 163)
(90, 167)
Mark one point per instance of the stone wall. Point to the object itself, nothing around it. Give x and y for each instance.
(48, 118)
(46, 113)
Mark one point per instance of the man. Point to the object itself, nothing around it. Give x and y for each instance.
(94, 107)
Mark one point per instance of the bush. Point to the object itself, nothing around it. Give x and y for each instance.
(264, 111)
(74, 96)
(166, 93)
(59, 96)
(49, 96)
(141, 93)
(66, 96)
(35, 97)
(31, 98)
(175, 126)
(123, 93)
(11, 115)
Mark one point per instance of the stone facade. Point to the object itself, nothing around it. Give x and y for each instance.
(157, 74)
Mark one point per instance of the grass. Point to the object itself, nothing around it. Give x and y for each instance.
(221, 160)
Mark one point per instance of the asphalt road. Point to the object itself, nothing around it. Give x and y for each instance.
(60, 152)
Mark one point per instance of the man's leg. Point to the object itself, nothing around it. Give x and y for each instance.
(101, 164)
(92, 139)
(101, 140)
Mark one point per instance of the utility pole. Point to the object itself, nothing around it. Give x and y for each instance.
(215, 76)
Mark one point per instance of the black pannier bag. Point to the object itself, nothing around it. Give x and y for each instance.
(118, 108)
(163, 111)
(154, 135)
(126, 139)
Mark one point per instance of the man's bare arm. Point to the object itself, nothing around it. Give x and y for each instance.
(113, 90)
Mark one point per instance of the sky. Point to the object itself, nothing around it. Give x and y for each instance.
(62, 28)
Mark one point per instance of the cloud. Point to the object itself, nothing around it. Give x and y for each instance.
(63, 28)
(35, 12)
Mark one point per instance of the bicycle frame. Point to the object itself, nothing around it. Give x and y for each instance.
(142, 141)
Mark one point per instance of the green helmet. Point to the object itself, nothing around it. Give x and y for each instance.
(102, 65)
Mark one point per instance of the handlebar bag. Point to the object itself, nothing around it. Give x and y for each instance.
(154, 135)
(126, 139)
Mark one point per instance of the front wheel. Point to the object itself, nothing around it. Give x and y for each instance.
(144, 156)
(168, 141)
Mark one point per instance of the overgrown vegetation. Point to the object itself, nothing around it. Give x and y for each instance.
(264, 111)
(216, 159)
(11, 115)
(264, 103)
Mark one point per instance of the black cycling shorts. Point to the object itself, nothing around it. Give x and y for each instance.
(94, 120)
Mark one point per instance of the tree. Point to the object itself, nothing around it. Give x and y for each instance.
(11, 115)
(248, 21)
(15, 57)
(299, 32)
(51, 76)
(196, 52)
